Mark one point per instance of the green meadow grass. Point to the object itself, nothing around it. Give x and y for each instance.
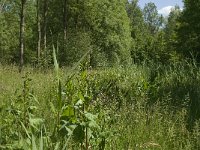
(133, 108)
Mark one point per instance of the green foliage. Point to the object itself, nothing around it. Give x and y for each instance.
(77, 44)
(87, 26)
(110, 26)
(21, 120)
(172, 25)
(8, 34)
(188, 31)
(148, 43)
(137, 107)
(151, 17)
(117, 32)
(152, 104)
(170, 36)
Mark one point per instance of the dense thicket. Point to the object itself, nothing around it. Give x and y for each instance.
(113, 32)
(151, 103)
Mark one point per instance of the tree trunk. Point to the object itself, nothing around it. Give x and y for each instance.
(65, 21)
(39, 31)
(45, 24)
(21, 38)
(77, 15)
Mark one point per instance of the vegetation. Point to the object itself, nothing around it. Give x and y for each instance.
(98, 75)
(113, 108)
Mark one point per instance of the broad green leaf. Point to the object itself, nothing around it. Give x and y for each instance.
(68, 111)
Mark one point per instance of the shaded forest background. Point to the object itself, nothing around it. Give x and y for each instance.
(115, 32)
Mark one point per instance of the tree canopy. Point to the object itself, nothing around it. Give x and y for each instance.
(116, 32)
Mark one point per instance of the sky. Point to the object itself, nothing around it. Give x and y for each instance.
(163, 6)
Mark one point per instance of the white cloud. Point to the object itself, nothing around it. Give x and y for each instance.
(165, 11)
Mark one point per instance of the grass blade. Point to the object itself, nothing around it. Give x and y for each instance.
(34, 147)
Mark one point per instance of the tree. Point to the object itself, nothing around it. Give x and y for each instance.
(39, 30)
(136, 18)
(110, 27)
(189, 29)
(151, 17)
(45, 12)
(65, 20)
(146, 32)
(138, 29)
(171, 31)
(21, 38)
(100, 26)
(9, 34)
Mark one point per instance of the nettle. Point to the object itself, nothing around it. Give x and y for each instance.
(77, 120)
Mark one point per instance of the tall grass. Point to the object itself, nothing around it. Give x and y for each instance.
(138, 107)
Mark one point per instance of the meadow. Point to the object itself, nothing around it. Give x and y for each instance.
(153, 107)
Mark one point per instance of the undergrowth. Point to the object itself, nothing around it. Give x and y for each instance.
(137, 107)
